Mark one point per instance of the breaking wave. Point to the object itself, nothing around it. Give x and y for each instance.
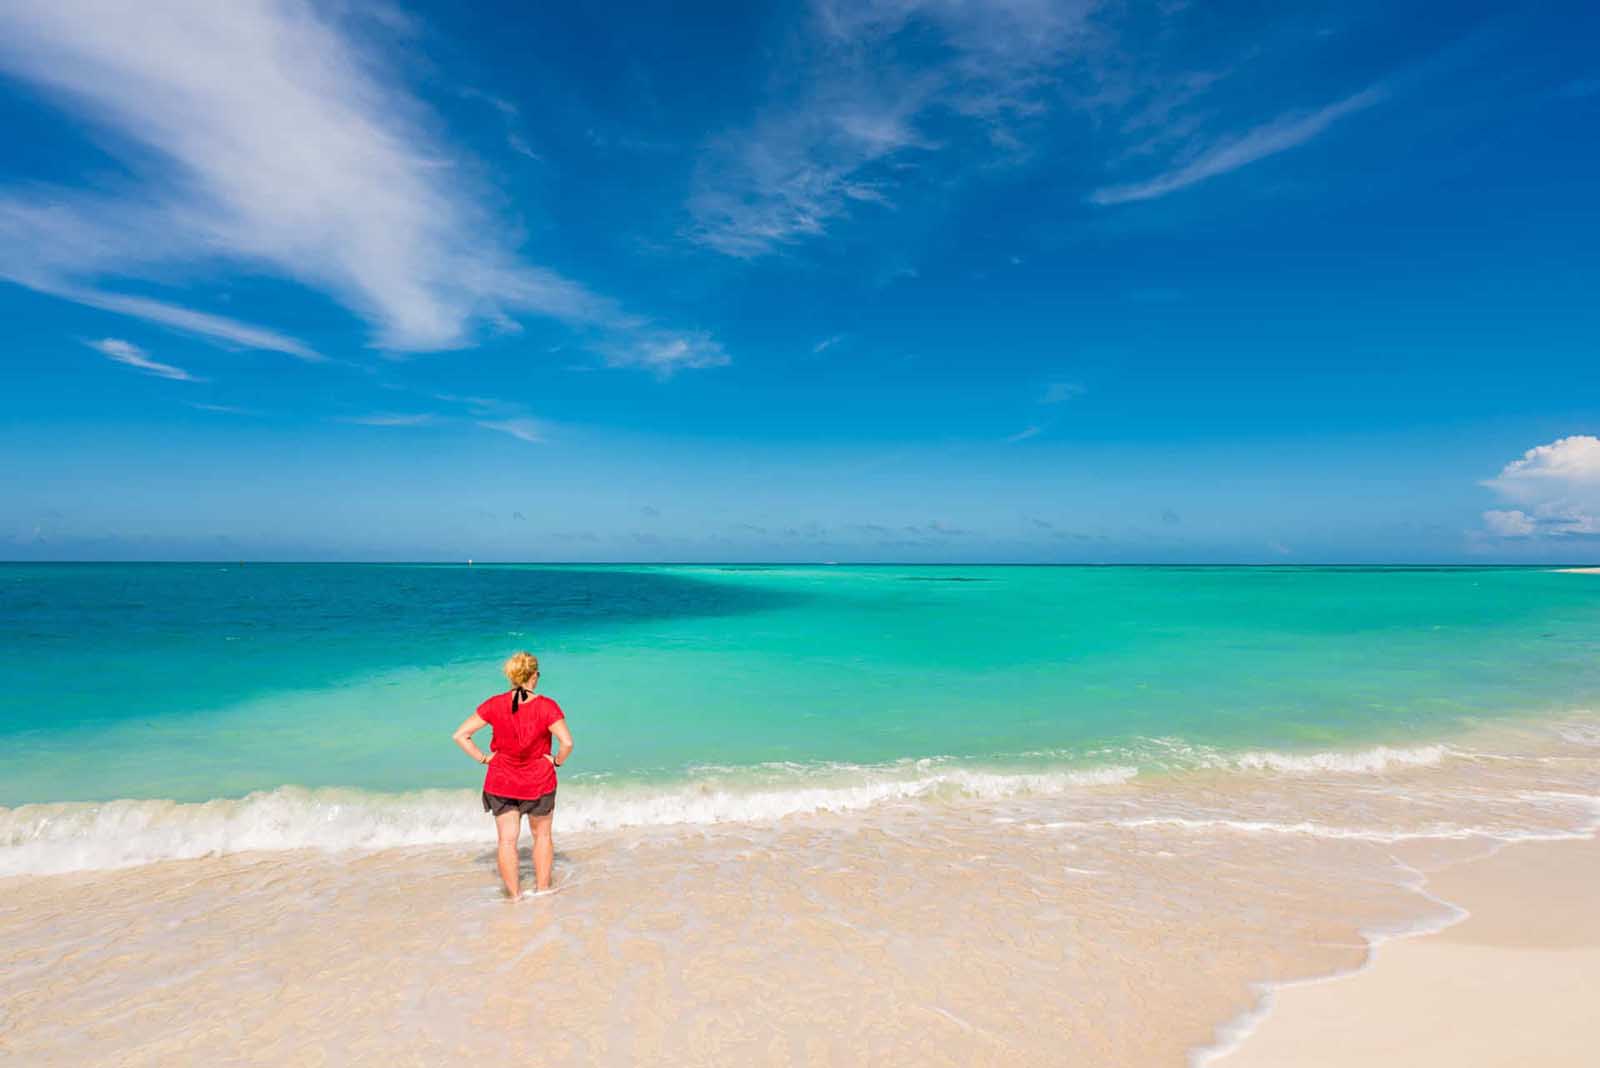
(80, 836)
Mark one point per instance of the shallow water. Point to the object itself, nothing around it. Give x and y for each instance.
(310, 705)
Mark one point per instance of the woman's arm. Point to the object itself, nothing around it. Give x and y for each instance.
(564, 737)
(463, 737)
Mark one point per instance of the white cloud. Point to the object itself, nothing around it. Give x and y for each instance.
(1566, 462)
(1279, 135)
(280, 144)
(265, 134)
(530, 430)
(1557, 488)
(1509, 523)
(826, 343)
(1025, 433)
(126, 352)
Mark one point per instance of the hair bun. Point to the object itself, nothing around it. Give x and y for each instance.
(521, 667)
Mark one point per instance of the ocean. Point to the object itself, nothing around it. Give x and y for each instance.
(707, 693)
(921, 804)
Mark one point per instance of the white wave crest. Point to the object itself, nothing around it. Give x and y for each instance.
(1584, 733)
(50, 839)
(1312, 829)
(1164, 754)
(1353, 762)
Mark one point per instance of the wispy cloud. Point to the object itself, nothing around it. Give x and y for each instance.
(482, 407)
(126, 352)
(512, 116)
(1061, 392)
(276, 142)
(392, 419)
(826, 343)
(523, 429)
(833, 141)
(666, 354)
(1269, 139)
(270, 135)
(217, 327)
(1025, 433)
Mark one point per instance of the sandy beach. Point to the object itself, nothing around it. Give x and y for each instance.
(1510, 984)
(1132, 922)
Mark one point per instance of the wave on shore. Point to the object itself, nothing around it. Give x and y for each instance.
(44, 839)
(49, 839)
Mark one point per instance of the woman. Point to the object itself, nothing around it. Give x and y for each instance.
(521, 780)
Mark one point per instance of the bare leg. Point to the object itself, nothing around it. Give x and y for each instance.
(509, 827)
(544, 849)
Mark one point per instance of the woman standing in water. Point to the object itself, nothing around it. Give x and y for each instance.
(521, 780)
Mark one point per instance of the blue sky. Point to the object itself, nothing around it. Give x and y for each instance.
(880, 280)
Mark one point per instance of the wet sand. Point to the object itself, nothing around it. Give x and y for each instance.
(1511, 984)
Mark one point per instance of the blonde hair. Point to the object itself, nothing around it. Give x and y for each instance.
(521, 667)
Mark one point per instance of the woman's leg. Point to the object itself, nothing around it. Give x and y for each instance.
(508, 825)
(544, 849)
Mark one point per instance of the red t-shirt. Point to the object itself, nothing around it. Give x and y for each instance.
(520, 745)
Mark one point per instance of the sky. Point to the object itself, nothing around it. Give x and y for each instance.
(849, 280)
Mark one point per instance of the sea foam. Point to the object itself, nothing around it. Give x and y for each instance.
(47, 839)
(1359, 762)
(42, 839)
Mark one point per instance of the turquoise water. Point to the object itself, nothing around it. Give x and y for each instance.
(190, 682)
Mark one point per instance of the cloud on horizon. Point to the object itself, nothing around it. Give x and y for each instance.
(1556, 488)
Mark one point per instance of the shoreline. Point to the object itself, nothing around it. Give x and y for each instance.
(1125, 918)
(1503, 983)
(125, 834)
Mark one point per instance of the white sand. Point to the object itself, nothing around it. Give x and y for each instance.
(1513, 984)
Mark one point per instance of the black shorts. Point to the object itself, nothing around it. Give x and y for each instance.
(534, 806)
